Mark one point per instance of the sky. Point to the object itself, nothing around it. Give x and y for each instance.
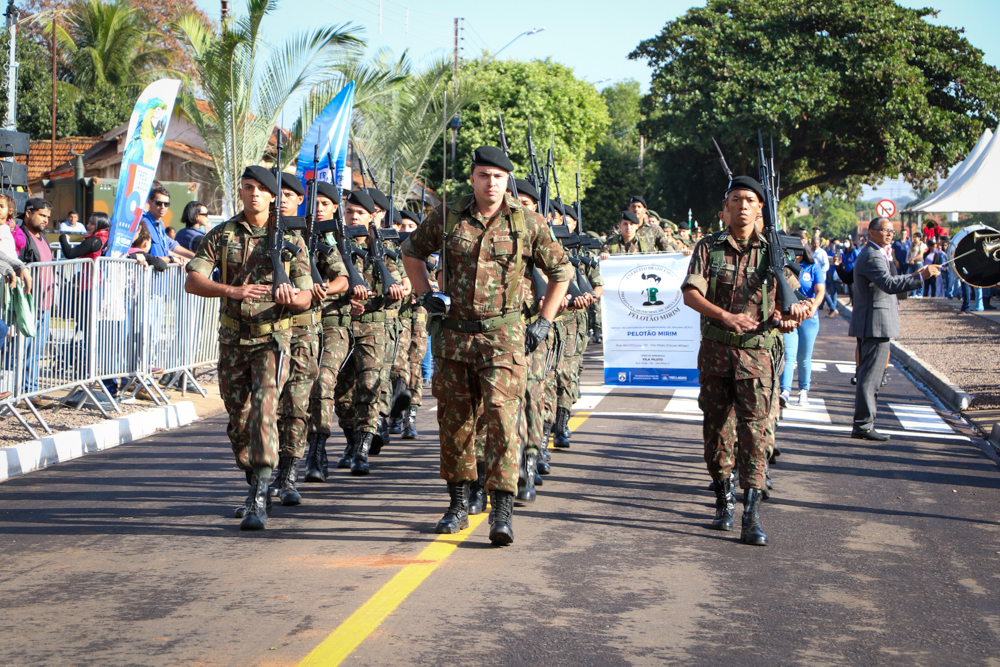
(593, 38)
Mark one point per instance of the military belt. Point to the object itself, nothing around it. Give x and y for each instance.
(305, 319)
(336, 320)
(480, 326)
(420, 317)
(392, 314)
(375, 316)
(255, 330)
(748, 341)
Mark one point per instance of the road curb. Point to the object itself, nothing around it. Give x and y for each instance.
(950, 394)
(25, 457)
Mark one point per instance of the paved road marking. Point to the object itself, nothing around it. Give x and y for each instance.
(785, 424)
(342, 641)
(846, 368)
(814, 413)
(920, 418)
(684, 402)
(818, 367)
(591, 395)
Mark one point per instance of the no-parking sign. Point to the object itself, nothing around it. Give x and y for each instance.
(885, 208)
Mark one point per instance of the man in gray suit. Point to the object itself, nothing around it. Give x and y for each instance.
(876, 319)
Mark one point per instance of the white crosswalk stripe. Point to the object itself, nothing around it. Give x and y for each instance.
(684, 402)
(846, 368)
(920, 418)
(814, 413)
(591, 395)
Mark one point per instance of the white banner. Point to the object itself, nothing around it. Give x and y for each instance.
(650, 337)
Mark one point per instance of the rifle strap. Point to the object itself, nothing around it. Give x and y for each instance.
(716, 260)
(227, 236)
(517, 228)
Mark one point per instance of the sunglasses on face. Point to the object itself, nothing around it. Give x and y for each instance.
(164, 204)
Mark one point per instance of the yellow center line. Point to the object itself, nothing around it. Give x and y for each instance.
(342, 641)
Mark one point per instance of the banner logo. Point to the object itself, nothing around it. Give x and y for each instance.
(651, 293)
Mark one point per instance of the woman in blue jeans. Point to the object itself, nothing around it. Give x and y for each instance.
(799, 343)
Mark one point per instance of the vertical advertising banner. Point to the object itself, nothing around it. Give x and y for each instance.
(147, 130)
(651, 338)
(330, 131)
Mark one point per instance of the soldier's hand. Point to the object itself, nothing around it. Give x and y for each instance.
(436, 303)
(250, 291)
(605, 255)
(686, 252)
(739, 322)
(396, 292)
(535, 333)
(799, 311)
(319, 292)
(285, 294)
(787, 326)
(360, 293)
(357, 308)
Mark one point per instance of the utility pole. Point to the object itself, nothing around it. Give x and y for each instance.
(52, 152)
(10, 123)
(455, 121)
(642, 151)
(225, 9)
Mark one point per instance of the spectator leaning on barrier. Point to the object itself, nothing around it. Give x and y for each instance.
(195, 219)
(37, 212)
(10, 269)
(162, 245)
(98, 228)
(72, 225)
(11, 236)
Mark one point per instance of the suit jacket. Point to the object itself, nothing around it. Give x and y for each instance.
(876, 310)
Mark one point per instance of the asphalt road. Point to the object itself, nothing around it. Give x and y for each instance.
(879, 554)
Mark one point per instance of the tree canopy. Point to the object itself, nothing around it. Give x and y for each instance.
(852, 92)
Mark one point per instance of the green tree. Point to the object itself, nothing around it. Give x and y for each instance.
(852, 92)
(246, 83)
(104, 109)
(562, 109)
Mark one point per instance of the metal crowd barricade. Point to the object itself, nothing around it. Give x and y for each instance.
(102, 324)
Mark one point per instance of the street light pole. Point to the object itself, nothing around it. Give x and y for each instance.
(493, 57)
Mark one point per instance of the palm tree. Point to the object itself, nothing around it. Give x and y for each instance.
(245, 83)
(407, 125)
(109, 47)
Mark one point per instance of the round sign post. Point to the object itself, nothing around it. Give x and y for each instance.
(885, 208)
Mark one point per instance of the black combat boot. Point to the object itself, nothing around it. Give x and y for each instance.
(753, 532)
(526, 486)
(314, 459)
(381, 436)
(345, 460)
(255, 517)
(395, 426)
(410, 424)
(544, 456)
(477, 490)
(288, 470)
(559, 438)
(725, 504)
(274, 490)
(401, 399)
(457, 517)
(359, 466)
(501, 518)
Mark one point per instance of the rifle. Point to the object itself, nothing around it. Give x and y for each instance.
(345, 242)
(315, 244)
(579, 205)
(506, 151)
(375, 236)
(276, 241)
(388, 232)
(777, 257)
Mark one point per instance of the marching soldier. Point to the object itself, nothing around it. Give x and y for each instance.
(727, 284)
(253, 335)
(627, 240)
(652, 234)
(418, 344)
(480, 342)
(335, 311)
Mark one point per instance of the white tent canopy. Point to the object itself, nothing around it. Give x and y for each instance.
(972, 186)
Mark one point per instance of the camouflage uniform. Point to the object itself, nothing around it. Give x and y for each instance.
(656, 238)
(476, 362)
(737, 377)
(616, 245)
(336, 323)
(396, 330)
(253, 337)
(359, 383)
(416, 352)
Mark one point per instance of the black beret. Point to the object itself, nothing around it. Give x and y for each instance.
(526, 188)
(746, 183)
(571, 212)
(361, 198)
(292, 182)
(491, 156)
(556, 207)
(397, 219)
(631, 217)
(410, 215)
(263, 176)
(380, 199)
(636, 199)
(328, 190)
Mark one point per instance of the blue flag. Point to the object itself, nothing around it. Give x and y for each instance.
(330, 131)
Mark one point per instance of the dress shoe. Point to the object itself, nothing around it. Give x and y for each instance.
(870, 434)
(456, 519)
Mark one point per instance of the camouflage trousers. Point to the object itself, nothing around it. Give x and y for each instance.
(401, 362)
(594, 317)
(250, 389)
(356, 395)
(293, 410)
(416, 352)
(533, 405)
(336, 346)
(739, 418)
(393, 331)
(493, 387)
(566, 372)
(550, 379)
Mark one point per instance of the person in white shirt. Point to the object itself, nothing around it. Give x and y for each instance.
(73, 224)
